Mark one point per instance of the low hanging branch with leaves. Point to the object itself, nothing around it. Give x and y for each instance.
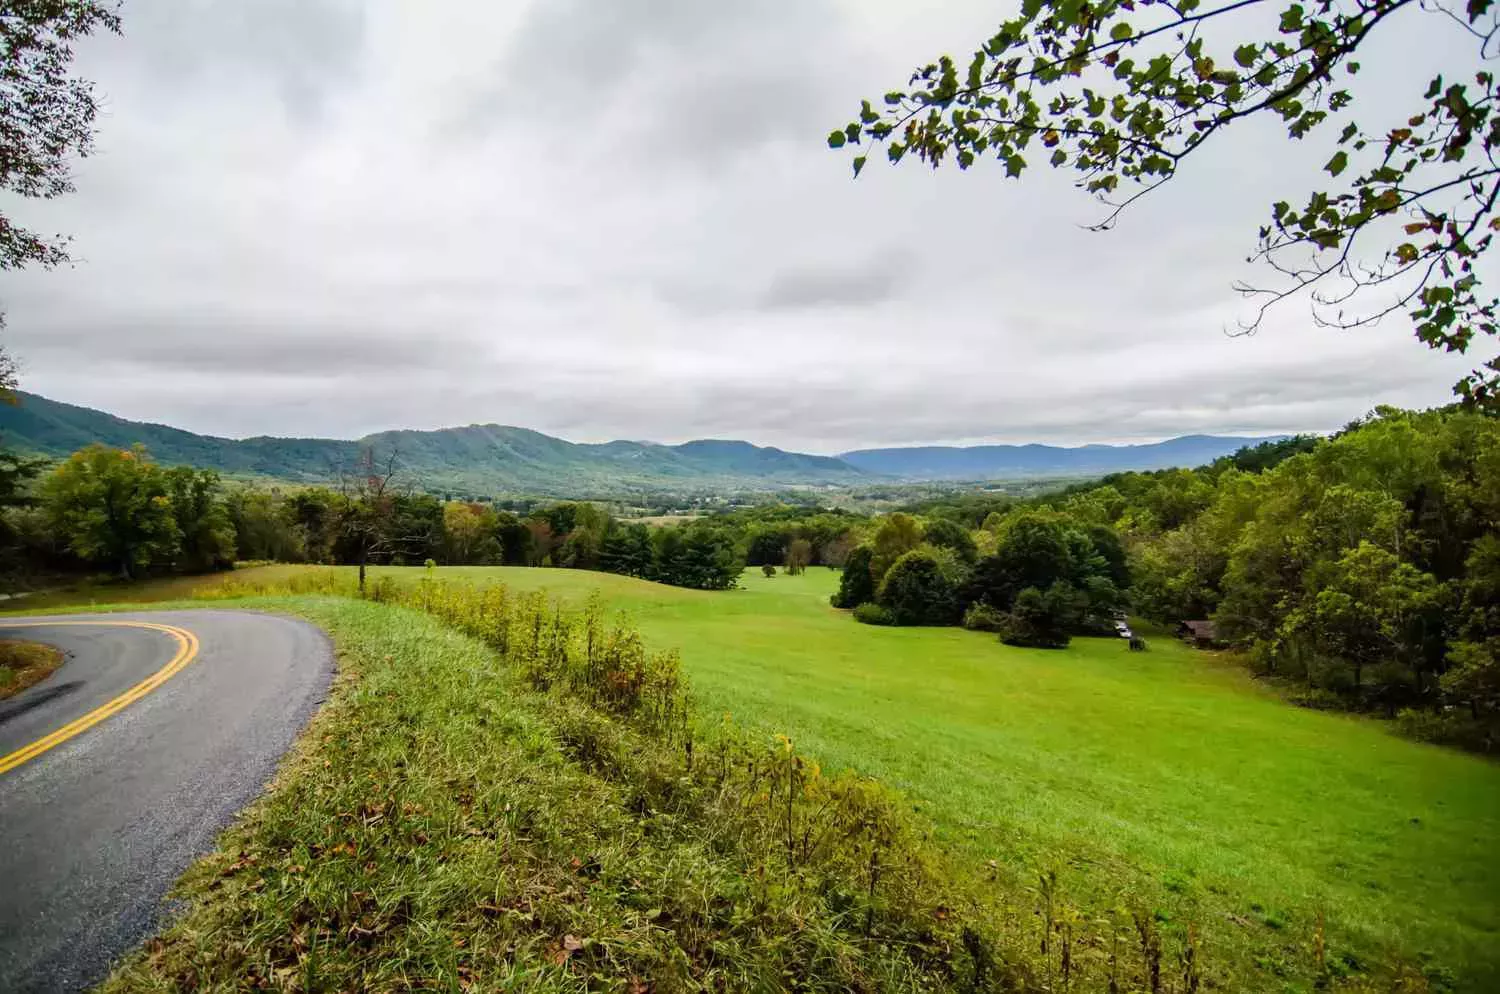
(1123, 91)
(46, 113)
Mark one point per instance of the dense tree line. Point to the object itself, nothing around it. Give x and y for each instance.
(794, 536)
(117, 510)
(1363, 570)
(1036, 576)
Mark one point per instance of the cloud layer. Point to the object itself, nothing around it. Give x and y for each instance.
(313, 217)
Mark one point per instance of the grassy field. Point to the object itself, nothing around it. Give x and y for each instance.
(446, 824)
(1168, 775)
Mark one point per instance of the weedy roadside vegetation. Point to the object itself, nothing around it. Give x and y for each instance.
(506, 794)
(25, 663)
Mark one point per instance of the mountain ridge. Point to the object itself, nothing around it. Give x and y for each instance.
(476, 459)
(977, 462)
(491, 458)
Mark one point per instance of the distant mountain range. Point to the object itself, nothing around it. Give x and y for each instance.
(989, 462)
(495, 459)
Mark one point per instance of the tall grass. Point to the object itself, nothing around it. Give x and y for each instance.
(819, 881)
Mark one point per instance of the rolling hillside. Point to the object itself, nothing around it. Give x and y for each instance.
(477, 459)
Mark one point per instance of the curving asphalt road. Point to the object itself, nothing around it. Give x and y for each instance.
(94, 830)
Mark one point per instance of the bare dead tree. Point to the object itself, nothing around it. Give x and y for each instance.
(369, 505)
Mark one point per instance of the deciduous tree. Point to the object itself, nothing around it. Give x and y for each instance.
(112, 506)
(798, 555)
(465, 531)
(897, 535)
(946, 534)
(369, 504)
(265, 526)
(857, 582)
(916, 591)
(207, 537)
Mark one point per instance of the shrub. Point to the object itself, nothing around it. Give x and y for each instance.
(918, 592)
(870, 613)
(1038, 619)
(1454, 726)
(1318, 699)
(857, 584)
(981, 617)
(768, 569)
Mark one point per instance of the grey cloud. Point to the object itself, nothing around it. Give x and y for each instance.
(790, 283)
(678, 81)
(230, 345)
(300, 49)
(865, 284)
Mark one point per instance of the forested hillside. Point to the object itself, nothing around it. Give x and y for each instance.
(474, 460)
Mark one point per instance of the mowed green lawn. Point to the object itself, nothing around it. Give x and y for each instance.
(1168, 774)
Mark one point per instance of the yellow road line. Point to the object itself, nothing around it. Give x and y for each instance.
(187, 648)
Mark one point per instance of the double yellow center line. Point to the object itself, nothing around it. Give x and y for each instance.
(187, 648)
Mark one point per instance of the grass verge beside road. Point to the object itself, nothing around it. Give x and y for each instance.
(25, 663)
(445, 825)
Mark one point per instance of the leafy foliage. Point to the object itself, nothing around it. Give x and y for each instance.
(113, 507)
(871, 613)
(1078, 569)
(946, 534)
(916, 591)
(980, 617)
(46, 114)
(857, 582)
(1043, 619)
(206, 532)
(798, 556)
(897, 534)
(1122, 92)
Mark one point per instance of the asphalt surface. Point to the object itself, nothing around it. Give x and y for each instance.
(94, 831)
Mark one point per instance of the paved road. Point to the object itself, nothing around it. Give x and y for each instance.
(94, 830)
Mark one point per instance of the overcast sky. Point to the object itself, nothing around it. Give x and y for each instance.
(620, 220)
